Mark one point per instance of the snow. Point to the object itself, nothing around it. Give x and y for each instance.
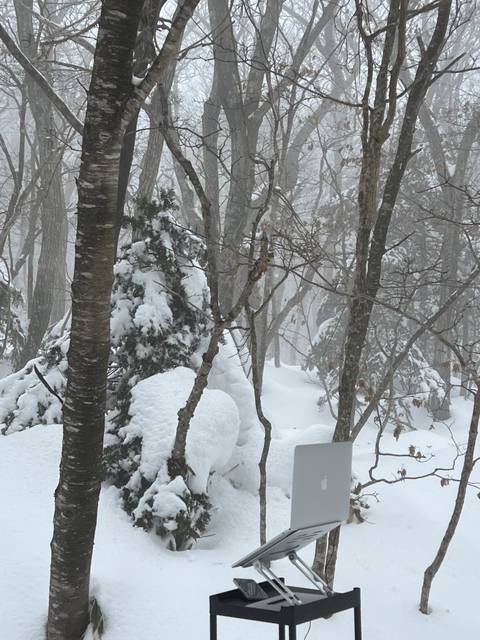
(152, 313)
(213, 431)
(148, 592)
(24, 391)
(4, 274)
(227, 375)
(5, 368)
(193, 282)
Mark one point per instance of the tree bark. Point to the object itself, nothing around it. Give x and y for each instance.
(76, 497)
(265, 422)
(374, 222)
(177, 464)
(113, 102)
(467, 468)
(51, 262)
(455, 204)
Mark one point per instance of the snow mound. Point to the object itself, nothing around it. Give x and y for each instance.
(213, 431)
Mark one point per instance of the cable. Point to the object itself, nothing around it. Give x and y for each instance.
(308, 630)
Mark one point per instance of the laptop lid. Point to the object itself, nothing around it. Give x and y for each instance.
(321, 484)
(320, 499)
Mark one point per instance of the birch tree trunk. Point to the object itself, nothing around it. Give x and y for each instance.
(113, 103)
(76, 497)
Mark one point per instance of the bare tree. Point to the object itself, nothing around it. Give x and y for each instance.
(374, 219)
(469, 463)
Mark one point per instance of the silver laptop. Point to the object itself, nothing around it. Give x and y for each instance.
(320, 499)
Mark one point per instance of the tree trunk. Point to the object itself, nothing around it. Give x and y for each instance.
(60, 285)
(53, 211)
(468, 465)
(76, 497)
(177, 464)
(374, 221)
(265, 422)
(277, 356)
(455, 205)
(260, 330)
(467, 349)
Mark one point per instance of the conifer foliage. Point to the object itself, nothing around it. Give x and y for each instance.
(159, 301)
(159, 316)
(33, 395)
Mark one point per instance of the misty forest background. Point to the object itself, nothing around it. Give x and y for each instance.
(196, 196)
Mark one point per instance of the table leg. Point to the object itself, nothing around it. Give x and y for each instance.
(358, 622)
(292, 632)
(213, 627)
(281, 632)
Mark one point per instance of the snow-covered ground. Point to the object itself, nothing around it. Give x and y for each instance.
(148, 592)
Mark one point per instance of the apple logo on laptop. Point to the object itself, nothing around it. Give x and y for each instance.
(323, 483)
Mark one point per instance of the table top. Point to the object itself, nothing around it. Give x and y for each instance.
(276, 610)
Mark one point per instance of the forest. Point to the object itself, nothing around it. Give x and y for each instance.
(228, 228)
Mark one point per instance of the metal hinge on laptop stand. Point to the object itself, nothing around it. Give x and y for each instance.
(275, 582)
(310, 574)
(281, 588)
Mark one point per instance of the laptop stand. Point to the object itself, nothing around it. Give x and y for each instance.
(282, 589)
(309, 605)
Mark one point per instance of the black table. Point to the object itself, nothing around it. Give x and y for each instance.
(232, 604)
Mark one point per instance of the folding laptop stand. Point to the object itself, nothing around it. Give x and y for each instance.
(275, 610)
(279, 585)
